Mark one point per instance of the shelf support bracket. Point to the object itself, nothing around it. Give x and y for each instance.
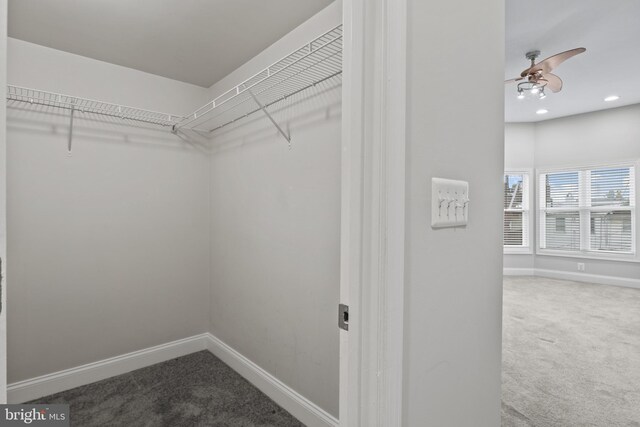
(73, 110)
(264, 110)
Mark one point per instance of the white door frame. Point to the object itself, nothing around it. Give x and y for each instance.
(373, 212)
(3, 198)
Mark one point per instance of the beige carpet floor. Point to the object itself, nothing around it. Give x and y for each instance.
(571, 354)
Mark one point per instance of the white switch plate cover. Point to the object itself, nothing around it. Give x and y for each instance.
(449, 203)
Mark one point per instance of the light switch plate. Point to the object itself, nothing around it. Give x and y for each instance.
(449, 203)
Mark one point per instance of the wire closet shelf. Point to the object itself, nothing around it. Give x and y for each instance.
(317, 61)
(83, 105)
(313, 63)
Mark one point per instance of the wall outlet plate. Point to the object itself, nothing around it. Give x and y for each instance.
(449, 203)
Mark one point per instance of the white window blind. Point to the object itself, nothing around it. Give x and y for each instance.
(516, 210)
(588, 210)
(611, 199)
(561, 210)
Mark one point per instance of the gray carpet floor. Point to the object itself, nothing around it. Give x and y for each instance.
(194, 390)
(571, 354)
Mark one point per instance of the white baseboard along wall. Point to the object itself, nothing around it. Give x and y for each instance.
(300, 407)
(33, 388)
(574, 276)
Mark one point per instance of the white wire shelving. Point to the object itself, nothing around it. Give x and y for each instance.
(83, 105)
(313, 63)
(317, 61)
(17, 94)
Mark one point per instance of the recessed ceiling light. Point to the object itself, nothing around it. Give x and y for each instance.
(542, 111)
(612, 98)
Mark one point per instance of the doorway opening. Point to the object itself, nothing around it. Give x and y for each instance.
(571, 264)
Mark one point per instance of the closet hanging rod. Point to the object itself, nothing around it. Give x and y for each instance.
(313, 63)
(84, 105)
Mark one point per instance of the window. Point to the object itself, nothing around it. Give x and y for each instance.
(516, 212)
(588, 211)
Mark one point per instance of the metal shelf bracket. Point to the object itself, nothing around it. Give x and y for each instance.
(73, 110)
(264, 110)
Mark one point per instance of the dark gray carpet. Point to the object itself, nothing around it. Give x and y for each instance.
(194, 390)
(571, 354)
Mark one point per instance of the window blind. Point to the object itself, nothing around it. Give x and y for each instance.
(611, 187)
(516, 210)
(562, 190)
(611, 231)
(588, 210)
(611, 196)
(562, 231)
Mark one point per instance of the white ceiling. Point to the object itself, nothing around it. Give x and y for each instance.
(195, 41)
(201, 41)
(609, 29)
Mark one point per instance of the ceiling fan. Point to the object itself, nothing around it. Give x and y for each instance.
(538, 77)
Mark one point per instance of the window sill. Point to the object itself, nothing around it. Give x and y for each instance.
(507, 250)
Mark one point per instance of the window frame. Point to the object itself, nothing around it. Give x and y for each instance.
(528, 211)
(584, 210)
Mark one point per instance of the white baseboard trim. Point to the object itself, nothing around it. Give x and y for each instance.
(518, 272)
(591, 278)
(574, 276)
(299, 406)
(44, 385)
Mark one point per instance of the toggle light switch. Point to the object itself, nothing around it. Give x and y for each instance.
(449, 203)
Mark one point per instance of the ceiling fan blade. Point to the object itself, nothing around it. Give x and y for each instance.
(552, 62)
(525, 73)
(553, 82)
(513, 80)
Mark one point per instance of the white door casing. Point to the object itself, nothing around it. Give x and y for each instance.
(3, 198)
(373, 204)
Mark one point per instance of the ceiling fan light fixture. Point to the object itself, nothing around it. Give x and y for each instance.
(531, 89)
(611, 98)
(538, 76)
